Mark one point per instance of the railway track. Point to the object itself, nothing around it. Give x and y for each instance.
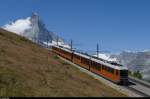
(140, 87)
(137, 92)
(146, 84)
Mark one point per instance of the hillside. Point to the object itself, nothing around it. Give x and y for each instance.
(27, 70)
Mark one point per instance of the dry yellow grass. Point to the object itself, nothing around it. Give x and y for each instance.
(26, 70)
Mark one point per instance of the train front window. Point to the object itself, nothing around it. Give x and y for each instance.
(124, 73)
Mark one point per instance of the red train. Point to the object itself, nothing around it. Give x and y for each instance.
(109, 70)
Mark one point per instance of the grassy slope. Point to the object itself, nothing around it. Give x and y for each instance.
(25, 70)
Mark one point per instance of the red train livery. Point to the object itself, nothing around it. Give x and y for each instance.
(109, 70)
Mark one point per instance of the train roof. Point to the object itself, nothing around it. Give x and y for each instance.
(104, 62)
(66, 49)
(98, 60)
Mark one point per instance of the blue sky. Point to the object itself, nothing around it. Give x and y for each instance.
(116, 25)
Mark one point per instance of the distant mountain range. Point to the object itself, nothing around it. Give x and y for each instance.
(136, 61)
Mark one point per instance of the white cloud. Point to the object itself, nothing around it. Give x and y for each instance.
(18, 26)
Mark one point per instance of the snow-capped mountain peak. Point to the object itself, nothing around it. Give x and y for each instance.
(34, 29)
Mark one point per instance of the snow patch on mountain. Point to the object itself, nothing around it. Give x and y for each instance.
(106, 57)
(57, 43)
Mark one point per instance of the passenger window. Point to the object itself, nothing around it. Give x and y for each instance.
(106, 68)
(112, 70)
(102, 67)
(116, 72)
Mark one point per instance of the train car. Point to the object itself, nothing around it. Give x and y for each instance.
(110, 70)
(81, 60)
(56, 50)
(63, 52)
(76, 59)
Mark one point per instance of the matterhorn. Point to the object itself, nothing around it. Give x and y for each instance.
(34, 29)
